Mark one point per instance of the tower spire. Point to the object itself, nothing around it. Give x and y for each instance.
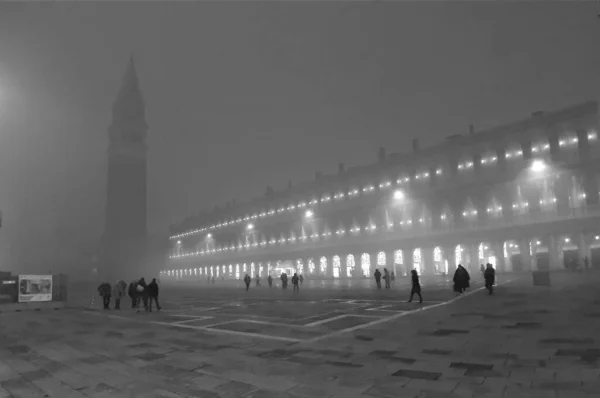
(129, 109)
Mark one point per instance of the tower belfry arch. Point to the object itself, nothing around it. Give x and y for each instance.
(125, 230)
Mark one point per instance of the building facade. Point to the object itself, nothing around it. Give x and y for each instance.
(523, 196)
(125, 232)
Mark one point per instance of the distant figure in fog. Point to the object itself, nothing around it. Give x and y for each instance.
(301, 278)
(132, 293)
(490, 278)
(482, 269)
(386, 278)
(416, 286)
(142, 294)
(295, 280)
(378, 278)
(153, 295)
(393, 276)
(105, 292)
(270, 281)
(257, 280)
(247, 281)
(284, 280)
(118, 293)
(461, 279)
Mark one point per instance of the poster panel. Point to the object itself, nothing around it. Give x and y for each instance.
(35, 288)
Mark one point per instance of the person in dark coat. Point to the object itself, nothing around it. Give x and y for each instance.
(490, 278)
(386, 277)
(270, 281)
(284, 280)
(295, 281)
(142, 294)
(131, 292)
(416, 286)
(247, 281)
(461, 279)
(377, 276)
(105, 291)
(153, 295)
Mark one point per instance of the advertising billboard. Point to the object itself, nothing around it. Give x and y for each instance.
(35, 288)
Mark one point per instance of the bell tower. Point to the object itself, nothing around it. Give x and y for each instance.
(125, 233)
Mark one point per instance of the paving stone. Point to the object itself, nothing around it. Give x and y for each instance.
(417, 374)
(435, 385)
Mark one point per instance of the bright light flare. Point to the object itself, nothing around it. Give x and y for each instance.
(250, 227)
(309, 214)
(538, 166)
(398, 195)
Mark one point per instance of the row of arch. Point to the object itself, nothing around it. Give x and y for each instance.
(539, 147)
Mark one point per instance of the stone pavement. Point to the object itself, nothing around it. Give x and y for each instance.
(524, 341)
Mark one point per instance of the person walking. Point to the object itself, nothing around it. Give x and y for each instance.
(416, 287)
(270, 281)
(105, 292)
(490, 278)
(257, 280)
(142, 294)
(132, 292)
(247, 281)
(118, 293)
(295, 280)
(377, 276)
(153, 295)
(386, 278)
(461, 279)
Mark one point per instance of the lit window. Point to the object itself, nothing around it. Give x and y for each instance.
(368, 188)
(592, 135)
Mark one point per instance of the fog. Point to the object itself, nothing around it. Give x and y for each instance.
(243, 95)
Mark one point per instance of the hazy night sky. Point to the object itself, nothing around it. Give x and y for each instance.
(242, 95)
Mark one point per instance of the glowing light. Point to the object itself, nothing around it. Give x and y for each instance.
(567, 240)
(178, 242)
(209, 236)
(309, 214)
(250, 227)
(398, 195)
(538, 166)
(597, 237)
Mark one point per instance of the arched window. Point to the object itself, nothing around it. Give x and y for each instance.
(494, 208)
(337, 264)
(520, 205)
(417, 260)
(489, 158)
(350, 265)
(469, 211)
(311, 266)
(446, 217)
(381, 260)
(540, 146)
(425, 217)
(323, 265)
(365, 263)
(567, 139)
(300, 266)
(398, 257)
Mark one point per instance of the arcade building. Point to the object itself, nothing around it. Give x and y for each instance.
(523, 197)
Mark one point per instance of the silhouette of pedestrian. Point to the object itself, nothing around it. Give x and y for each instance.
(247, 281)
(377, 276)
(416, 286)
(490, 278)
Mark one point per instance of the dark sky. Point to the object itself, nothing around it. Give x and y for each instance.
(240, 95)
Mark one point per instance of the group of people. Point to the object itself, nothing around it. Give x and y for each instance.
(138, 291)
(296, 281)
(387, 277)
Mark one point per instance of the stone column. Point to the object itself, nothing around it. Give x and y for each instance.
(450, 256)
(583, 251)
(554, 253)
(498, 249)
(408, 260)
(524, 249)
(474, 262)
(428, 261)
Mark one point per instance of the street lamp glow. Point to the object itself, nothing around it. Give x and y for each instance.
(308, 214)
(538, 166)
(209, 236)
(398, 195)
(178, 242)
(250, 227)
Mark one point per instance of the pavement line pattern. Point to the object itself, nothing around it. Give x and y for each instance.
(391, 318)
